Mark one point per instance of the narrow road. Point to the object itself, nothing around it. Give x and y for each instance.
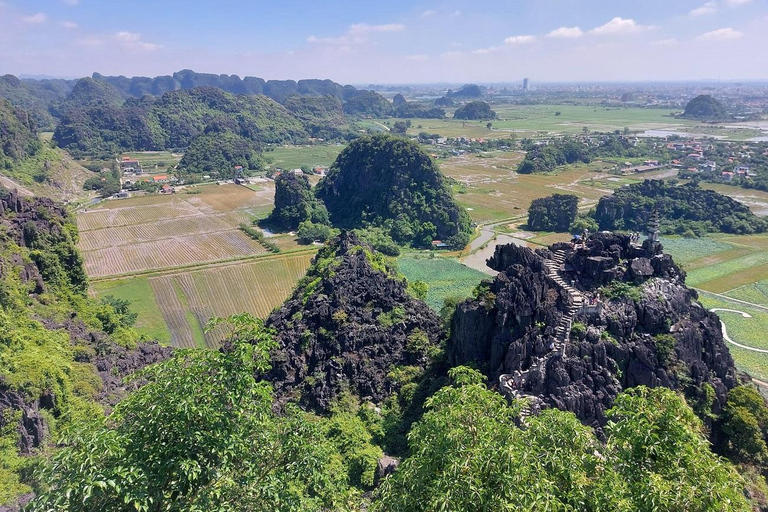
(725, 330)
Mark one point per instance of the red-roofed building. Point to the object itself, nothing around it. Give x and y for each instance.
(160, 179)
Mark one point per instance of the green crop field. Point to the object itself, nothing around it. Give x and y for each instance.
(155, 160)
(687, 250)
(138, 292)
(445, 277)
(294, 157)
(756, 293)
(750, 332)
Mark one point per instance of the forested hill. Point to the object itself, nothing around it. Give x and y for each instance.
(684, 209)
(48, 100)
(18, 139)
(390, 182)
(173, 121)
(63, 355)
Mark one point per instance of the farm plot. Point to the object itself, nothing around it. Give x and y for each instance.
(155, 232)
(444, 277)
(492, 190)
(169, 252)
(187, 301)
(746, 331)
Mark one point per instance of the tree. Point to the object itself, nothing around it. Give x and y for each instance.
(199, 435)
(489, 125)
(554, 213)
(467, 454)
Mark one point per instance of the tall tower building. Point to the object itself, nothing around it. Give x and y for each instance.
(526, 84)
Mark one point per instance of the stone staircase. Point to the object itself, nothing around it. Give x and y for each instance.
(512, 384)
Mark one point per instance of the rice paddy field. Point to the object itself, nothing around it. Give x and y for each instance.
(491, 190)
(154, 232)
(444, 277)
(294, 157)
(174, 307)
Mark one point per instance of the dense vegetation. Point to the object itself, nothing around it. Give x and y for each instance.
(684, 209)
(468, 455)
(706, 108)
(295, 203)
(549, 156)
(51, 336)
(392, 183)
(367, 103)
(217, 153)
(18, 139)
(35, 97)
(553, 213)
(173, 121)
(475, 110)
(88, 93)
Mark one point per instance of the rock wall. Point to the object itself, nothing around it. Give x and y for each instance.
(650, 330)
(349, 323)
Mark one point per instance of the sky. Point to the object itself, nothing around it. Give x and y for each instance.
(390, 41)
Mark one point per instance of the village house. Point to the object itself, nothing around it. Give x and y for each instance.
(130, 166)
(160, 179)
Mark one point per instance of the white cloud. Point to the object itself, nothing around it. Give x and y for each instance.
(364, 28)
(707, 8)
(722, 34)
(428, 14)
(69, 25)
(40, 17)
(566, 33)
(72, 2)
(619, 26)
(737, 2)
(520, 39)
(357, 33)
(485, 51)
(132, 41)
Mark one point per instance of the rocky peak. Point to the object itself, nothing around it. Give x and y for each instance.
(574, 325)
(349, 324)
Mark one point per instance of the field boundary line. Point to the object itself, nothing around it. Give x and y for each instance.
(202, 265)
(758, 306)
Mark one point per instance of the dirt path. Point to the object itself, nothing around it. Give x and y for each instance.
(13, 185)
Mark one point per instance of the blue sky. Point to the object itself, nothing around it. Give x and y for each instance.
(390, 41)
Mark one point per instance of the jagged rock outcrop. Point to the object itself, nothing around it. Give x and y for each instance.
(347, 326)
(639, 325)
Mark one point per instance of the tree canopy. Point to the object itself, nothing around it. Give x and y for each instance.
(391, 182)
(475, 110)
(705, 107)
(553, 213)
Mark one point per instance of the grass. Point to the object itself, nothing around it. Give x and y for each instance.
(444, 277)
(294, 157)
(493, 191)
(756, 293)
(687, 250)
(730, 269)
(138, 292)
(747, 331)
(155, 160)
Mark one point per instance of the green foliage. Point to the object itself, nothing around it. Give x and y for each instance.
(173, 121)
(705, 107)
(553, 213)
(578, 330)
(391, 317)
(309, 232)
(199, 435)
(468, 455)
(295, 203)
(217, 153)
(367, 103)
(665, 348)
(349, 434)
(418, 289)
(18, 140)
(259, 237)
(681, 208)
(621, 290)
(745, 423)
(546, 158)
(475, 110)
(379, 239)
(392, 183)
